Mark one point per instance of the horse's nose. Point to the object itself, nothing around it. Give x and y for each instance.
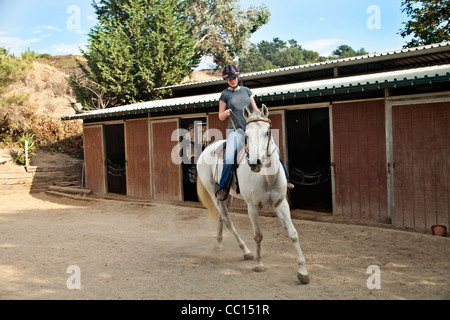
(258, 162)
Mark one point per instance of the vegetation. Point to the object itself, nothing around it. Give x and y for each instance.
(345, 51)
(27, 147)
(429, 21)
(11, 68)
(140, 45)
(21, 119)
(279, 54)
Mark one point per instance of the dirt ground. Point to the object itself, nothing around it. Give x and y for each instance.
(132, 250)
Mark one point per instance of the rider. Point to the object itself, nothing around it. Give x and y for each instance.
(232, 102)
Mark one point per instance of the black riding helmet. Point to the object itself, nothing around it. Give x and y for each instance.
(230, 71)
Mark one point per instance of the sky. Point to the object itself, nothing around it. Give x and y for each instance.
(60, 27)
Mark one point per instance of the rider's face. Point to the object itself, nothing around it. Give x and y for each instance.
(233, 82)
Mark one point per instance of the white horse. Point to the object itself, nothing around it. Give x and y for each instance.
(261, 181)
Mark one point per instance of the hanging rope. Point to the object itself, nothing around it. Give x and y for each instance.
(115, 169)
(299, 177)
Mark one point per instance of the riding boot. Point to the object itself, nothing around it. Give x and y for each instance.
(225, 182)
(289, 184)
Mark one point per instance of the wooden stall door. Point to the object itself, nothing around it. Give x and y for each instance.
(94, 160)
(138, 158)
(214, 123)
(166, 175)
(421, 149)
(359, 147)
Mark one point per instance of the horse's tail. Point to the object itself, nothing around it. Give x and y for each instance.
(205, 198)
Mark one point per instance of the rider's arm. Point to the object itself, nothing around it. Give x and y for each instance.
(253, 103)
(224, 113)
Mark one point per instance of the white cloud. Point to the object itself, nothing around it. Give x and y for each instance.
(323, 46)
(16, 44)
(40, 29)
(51, 28)
(68, 48)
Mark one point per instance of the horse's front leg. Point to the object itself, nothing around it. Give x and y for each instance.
(284, 214)
(253, 212)
(225, 218)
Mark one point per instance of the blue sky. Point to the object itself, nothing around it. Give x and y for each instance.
(60, 26)
(322, 25)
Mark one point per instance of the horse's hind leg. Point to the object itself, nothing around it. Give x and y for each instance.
(219, 232)
(283, 212)
(225, 218)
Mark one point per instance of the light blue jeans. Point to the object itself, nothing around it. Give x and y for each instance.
(235, 139)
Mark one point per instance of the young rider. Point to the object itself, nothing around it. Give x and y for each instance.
(232, 102)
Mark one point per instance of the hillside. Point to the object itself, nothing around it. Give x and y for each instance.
(33, 100)
(33, 97)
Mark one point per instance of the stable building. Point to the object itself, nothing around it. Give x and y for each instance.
(365, 137)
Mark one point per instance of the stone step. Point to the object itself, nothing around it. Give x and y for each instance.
(36, 179)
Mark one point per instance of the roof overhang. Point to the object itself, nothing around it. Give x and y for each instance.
(396, 59)
(343, 85)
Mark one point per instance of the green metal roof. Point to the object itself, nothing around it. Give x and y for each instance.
(342, 85)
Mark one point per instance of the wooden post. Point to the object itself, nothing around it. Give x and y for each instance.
(389, 157)
(26, 155)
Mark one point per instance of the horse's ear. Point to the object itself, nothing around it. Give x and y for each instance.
(265, 111)
(246, 113)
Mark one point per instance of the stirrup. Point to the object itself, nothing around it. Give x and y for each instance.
(222, 194)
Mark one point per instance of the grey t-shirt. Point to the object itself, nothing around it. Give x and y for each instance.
(237, 100)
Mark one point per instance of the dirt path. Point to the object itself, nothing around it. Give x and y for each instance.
(161, 251)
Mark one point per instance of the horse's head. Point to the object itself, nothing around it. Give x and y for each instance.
(257, 137)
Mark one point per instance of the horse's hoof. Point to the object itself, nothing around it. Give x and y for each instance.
(249, 256)
(304, 279)
(259, 269)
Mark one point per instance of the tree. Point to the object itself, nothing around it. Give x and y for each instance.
(276, 54)
(345, 51)
(140, 45)
(221, 29)
(430, 21)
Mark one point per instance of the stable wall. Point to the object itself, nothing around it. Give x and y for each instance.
(389, 158)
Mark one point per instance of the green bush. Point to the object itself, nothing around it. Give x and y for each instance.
(18, 98)
(29, 55)
(5, 140)
(11, 69)
(20, 157)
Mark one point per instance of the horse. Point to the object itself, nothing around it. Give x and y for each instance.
(261, 181)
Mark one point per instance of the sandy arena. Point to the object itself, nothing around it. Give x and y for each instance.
(162, 251)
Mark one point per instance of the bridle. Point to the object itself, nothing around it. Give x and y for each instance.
(268, 152)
